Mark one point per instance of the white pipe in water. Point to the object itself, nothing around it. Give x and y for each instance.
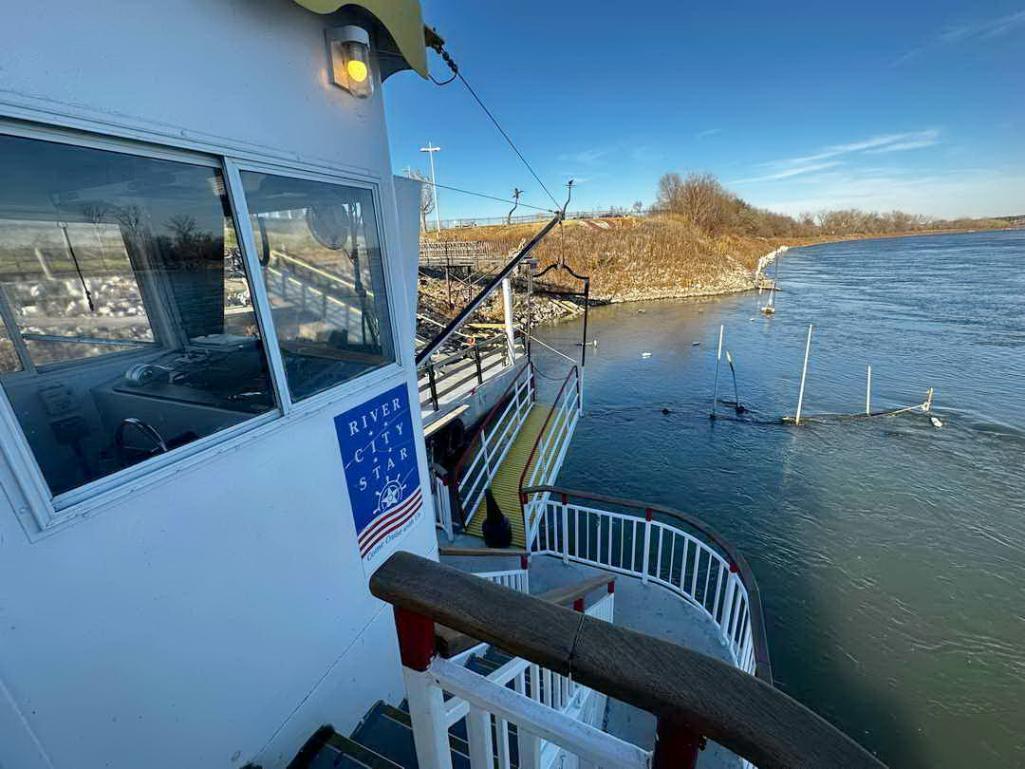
(804, 375)
(718, 357)
(868, 393)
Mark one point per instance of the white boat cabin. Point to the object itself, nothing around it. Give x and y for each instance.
(207, 302)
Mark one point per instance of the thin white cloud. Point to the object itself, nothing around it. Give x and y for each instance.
(708, 132)
(883, 143)
(949, 194)
(982, 29)
(787, 173)
(923, 139)
(586, 157)
(837, 154)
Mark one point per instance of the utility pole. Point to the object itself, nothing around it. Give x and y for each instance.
(430, 149)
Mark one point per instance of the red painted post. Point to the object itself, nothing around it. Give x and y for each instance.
(734, 569)
(612, 586)
(524, 562)
(676, 746)
(578, 605)
(416, 639)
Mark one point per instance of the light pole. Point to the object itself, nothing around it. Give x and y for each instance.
(430, 149)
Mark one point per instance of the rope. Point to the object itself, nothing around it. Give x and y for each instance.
(509, 140)
(457, 74)
(484, 195)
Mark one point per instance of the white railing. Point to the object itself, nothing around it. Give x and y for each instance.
(554, 717)
(514, 579)
(655, 551)
(477, 467)
(549, 449)
(443, 507)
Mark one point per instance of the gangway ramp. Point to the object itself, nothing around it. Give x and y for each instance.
(521, 443)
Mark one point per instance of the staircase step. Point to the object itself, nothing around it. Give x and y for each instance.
(393, 738)
(481, 665)
(497, 656)
(458, 739)
(327, 749)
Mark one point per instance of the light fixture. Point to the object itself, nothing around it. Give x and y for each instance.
(350, 60)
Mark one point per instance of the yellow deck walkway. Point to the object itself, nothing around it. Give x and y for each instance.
(506, 486)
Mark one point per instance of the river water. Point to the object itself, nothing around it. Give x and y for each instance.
(890, 553)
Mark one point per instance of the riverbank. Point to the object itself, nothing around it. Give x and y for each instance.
(653, 257)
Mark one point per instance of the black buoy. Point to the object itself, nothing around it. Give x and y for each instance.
(496, 529)
(666, 412)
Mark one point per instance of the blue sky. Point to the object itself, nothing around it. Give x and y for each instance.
(802, 106)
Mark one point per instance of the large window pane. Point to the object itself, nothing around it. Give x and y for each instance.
(321, 258)
(128, 327)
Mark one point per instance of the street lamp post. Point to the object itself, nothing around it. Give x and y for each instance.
(430, 149)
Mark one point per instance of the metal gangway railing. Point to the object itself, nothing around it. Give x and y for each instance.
(445, 378)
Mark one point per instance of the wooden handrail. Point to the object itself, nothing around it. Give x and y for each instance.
(450, 642)
(492, 552)
(763, 665)
(714, 700)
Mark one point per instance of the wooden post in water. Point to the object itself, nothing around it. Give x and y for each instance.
(868, 393)
(804, 375)
(718, 357)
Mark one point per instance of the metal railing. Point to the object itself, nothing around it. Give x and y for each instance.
(693, 696)
(549, 449)
(478, 362)
(443, 505)
(674, 550)
(476, 468)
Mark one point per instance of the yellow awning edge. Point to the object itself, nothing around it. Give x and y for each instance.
(402, 20)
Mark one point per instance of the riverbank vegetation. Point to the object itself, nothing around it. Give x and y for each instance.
(699, 239)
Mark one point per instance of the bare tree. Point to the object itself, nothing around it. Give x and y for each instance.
(427, 201)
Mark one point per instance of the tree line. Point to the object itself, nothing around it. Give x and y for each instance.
(703, 201)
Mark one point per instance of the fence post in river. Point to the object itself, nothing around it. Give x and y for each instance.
(868, 393)
(804, 375)
(718, 357)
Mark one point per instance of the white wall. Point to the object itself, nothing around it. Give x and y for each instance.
(222, 614)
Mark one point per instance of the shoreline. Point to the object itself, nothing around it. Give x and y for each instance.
(749, 282)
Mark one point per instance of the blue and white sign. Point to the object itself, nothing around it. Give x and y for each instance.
(379, 458)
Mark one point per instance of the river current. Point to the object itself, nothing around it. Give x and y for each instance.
(890, 552)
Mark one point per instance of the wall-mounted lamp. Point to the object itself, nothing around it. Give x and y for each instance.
(350, 60)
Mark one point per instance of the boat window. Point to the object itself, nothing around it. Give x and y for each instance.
(321, 256)
(128, 326)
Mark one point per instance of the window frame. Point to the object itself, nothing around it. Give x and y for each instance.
(42, 512)
(235, 167)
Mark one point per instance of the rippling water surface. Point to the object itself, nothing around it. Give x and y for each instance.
(890, 553)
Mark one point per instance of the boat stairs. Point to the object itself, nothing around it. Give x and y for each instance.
(514, 659)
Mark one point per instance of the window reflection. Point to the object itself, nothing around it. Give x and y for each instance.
(128, 327)
(321, 258)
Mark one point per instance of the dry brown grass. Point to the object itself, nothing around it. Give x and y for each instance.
(638, 257)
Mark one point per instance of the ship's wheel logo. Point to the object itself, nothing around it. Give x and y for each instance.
(390, 495)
